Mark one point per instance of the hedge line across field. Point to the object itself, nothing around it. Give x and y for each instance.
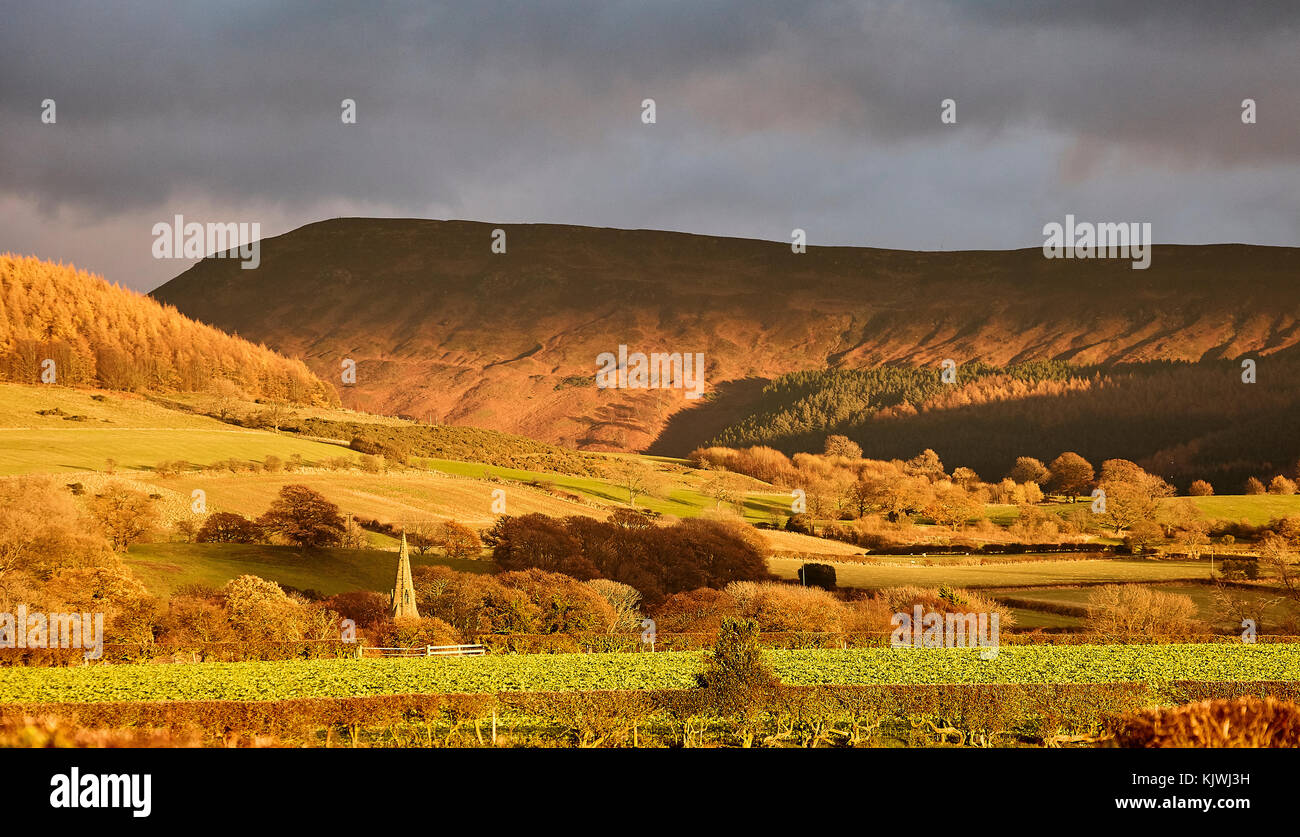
(793, 714)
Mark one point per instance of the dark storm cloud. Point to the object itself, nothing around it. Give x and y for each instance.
(771, 115)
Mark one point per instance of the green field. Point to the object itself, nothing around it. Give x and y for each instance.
(1256, 509)
(94, 426)
(681, 499)
(1025, 573)
(669, 670)
(163, 567)
(1265, 606)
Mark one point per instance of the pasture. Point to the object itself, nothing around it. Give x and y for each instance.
(164, 567)
(1048, 572)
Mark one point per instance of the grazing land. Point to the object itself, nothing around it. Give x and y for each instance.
(1025, 573)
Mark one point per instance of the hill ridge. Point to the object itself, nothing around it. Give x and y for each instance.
(443, 329)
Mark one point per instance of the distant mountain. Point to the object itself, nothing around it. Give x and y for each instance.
(80, 330)
(442, 328)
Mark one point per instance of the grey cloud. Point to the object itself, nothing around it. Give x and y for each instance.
(768, 111)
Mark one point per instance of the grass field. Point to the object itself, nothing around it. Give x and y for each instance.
(681, 496)
(1266, 607)
(83, 429)
(134, 432)
(667, 670)
(398, 497)
(1253, 508)
(1026, 573)
(162, 567)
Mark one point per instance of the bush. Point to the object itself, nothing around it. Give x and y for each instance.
(228, 527)
(1281, 485)
(817, 575)
(735, 676)
(1127, 611)
(1200, 488)
(364, 607)
(408, 633)
(801, 523)
(695, 611)
(1240, 569)
(1244, 722)
(784, 607)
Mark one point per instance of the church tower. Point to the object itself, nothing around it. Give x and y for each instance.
(402, 603)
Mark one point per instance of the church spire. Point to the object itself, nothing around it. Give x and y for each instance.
(401, 604)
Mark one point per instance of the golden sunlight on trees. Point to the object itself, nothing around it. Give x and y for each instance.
(304, 518)
(124, 514)
(103, 335)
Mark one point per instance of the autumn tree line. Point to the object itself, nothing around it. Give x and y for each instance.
(880, 499)
(1184, 421)
(102, 335)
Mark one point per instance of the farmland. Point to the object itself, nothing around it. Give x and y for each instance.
(1022, 573)
(1262, 604)
(164, 567)
(1081, 664)
(82, 429)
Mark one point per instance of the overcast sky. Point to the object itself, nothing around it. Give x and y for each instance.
(769, 117)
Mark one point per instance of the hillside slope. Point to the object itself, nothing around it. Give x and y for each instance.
(443, 329)
(98, 334)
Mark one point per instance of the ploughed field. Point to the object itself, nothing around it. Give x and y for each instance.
(1077, 664)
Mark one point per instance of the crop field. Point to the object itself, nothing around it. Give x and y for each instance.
(1082, 664)
(1025, 573)
(163, 567)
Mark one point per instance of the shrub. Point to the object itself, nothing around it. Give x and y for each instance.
(817, 575)
(735, 675)
(695, 611)
(1244, 722)
(801, 523)
(783, 607)
(228, 527)
(1200, 488)
(1281, 485)
(1127, 611)
(364, 607)
(407, 633)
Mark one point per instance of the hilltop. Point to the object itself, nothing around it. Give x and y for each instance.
(442, 329)
(97, 334)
